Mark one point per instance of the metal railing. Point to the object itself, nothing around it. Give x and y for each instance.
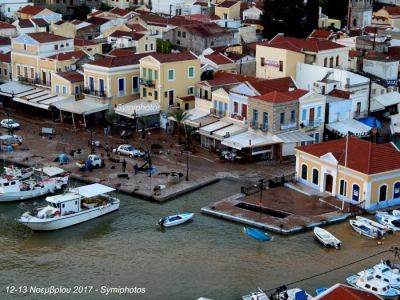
(33, 81)
(147, 82)
(288, 126)
(95, 93)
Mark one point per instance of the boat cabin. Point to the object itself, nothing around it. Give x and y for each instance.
(67, 203)
(9, 186)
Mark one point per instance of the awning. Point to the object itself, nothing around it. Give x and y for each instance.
(388, 99)
(51, 171)
(351, 126)
(92, 190)
(193, 114)
(249, 140)
(376, 106)
(138, 108)
(86, 106)
(13, 88)
(210, 129)
(229, 131)
(295, 136)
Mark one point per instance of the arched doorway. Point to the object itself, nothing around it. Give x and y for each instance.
(356, 193)
(396, 190)
(383, 192)
(304, 171)
(329, 183)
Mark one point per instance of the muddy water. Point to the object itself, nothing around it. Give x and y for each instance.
(207, 257)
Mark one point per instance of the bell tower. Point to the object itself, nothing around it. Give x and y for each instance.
(359, 14)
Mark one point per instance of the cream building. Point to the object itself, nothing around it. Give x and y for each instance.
(67, 83)
(228, 10)
(367, 174)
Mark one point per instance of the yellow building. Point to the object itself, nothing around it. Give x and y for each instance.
(30, 11)
(90, 47)
(388, 15)
(228, 10)
(352, 170)
(34, 56)
(5, 66)
(114, 78)
(164, 77)
(67, 83)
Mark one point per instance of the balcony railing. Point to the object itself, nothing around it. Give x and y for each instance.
(33, 81)
(311, 124)
(100, 94)
(147, 82)
(263, 128)
(288, 126)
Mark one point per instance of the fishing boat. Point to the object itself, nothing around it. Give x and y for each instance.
(258, 294)
(396, 213)
(385, 273)
(175, 219)
(326, 238)
(382, 228)
(373, 285)
(15, 173)
(18, 190)
(258, 234)
(388, 220)
(284, 293)
(73, 207)
(365, 229)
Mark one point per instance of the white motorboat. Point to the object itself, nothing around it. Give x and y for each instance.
(396, 213)
(18, 190)
(175, 219)
(15, 173)
(385, 273)
(377, 225)
(365, 229)
(367, 282)
(326, 238)
(284, 293)
(388, 220)
(258, 294)
(75, 206)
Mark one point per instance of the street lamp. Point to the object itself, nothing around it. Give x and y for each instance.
(260, 185)
(91, 142)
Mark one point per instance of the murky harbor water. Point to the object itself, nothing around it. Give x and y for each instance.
(207, 257)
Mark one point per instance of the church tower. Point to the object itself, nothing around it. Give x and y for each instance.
(360, 14)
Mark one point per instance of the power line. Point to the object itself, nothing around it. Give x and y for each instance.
(393, 249)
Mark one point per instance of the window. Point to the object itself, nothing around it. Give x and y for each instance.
(382, 192)
(190, 91)
(235, 107)
(396, 190)
(179, 34)
(282, 118)
(19, 70)
(303, 114)
(315, 176)
(144, 72)
(337, 60)
(121, 86)
(155, 74)
(280, 66)
(135, 84)
(64, 90)
(183, 34)
(32, 73)
(255, 117)
(5, 71)
(293, 116)
(316, 137)
(319, 111)
(55, 47)
(191, 72)
(171, 75)
(304, 171)
(343, 187)
(262, 62)
(265, 120)
(325, 62)
(331, 62)
(150, 74)
(57, 88)
(101, 85)
(145, 47)
(155, 95)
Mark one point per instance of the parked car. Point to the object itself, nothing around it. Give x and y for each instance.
(130, 151)
(93, 160)
(10, 139)
(9, 124)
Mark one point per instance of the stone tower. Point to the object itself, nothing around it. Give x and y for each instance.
(360, 14)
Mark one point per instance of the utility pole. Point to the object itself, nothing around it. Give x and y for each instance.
(261, 187)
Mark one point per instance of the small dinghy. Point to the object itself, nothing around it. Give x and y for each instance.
(389, 221)
(257, 234)
(365, 229)
(175, 220)
(382, 228)
(326, 238)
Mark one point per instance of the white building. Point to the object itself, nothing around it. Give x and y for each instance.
(9, 7)
(175, 7)
(384, 68)
(252, 13)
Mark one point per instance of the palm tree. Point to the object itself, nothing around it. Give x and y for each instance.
(143, 122)
(110, 118)
(179, 117)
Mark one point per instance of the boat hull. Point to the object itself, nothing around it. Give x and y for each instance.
(184, 218)
(68, 220)
(23, 195)
(326, 238)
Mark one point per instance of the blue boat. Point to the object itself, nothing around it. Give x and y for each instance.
(257, 234)
(320, 290)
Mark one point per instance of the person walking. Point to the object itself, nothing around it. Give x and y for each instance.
(123, 165)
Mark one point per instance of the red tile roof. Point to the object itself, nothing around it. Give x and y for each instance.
(5, 57)
(228, 3)
(95, 13)
(118, 61)
(40, 22)
(25, 23)
(134, 35)
(71, 76)
(31, 10)
(97, 21)
(354, 53)
(83, 42)
(219, 59)
(69, 55)
(120, 52)
(5, 25)
(301, 45)
(362, 156)
(136, 27)
(321, 34)
(4, 41)
(206, 30)
(340, 94)
(392, 10)
(220, 75)
(45, 37)
(269, 85)
(187, 98)
(280, 97)
(119, 11)
(343, 292)
(173, 57)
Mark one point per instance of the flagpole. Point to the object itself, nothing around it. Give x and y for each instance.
(345, 163)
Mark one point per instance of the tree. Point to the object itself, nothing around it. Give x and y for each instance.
(312, 16)
(179, 117)
(82, 11)
(163, 46)
(105, 7)
(143, 122)
(110, 117)
(335, 9)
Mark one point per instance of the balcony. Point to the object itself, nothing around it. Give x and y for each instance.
(288, 126)
(146, 82)
(33, 81)
(310, 124)
(263, 128)
(100, 94)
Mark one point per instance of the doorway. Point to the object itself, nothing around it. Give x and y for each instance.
(171, 97)
(329, 183)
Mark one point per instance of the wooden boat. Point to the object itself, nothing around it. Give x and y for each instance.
(326, 238)
(389, 221)
(373, 285)
(382, 228)
(365, 229)
(175, 219)
(258, 234)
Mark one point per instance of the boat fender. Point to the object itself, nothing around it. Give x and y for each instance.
(57, 213)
